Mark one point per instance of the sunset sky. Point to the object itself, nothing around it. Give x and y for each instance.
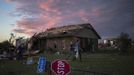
(25, 17)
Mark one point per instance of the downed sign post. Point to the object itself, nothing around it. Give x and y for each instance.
(41, 64)
(60, 67)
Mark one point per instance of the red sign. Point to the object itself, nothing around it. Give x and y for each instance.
(60, 67)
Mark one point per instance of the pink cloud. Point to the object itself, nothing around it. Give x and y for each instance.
(46, 5)
(43, 14)
(49, 8)
(83, 15)
(47, 19)
(8, 1)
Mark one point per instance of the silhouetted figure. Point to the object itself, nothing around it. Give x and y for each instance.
(21, 51)
(11, 52)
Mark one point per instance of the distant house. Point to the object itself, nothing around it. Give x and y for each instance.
(59, 38)
(109, 43)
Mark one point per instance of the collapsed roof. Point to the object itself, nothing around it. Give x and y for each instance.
(70, 30)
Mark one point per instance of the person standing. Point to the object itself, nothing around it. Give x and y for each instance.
(20, 53)
(78, 49)
(72, 52)
(11, 52)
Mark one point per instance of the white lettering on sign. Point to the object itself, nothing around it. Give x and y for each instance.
(60, 68)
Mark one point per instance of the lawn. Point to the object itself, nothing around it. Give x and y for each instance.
(92, 64)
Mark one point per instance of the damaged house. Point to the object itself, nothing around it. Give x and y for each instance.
(60, 38)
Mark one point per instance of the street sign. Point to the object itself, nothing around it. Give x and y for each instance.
(60, 67)
(41, 64)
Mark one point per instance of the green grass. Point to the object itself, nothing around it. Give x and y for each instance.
(16, 68)
(101, 64)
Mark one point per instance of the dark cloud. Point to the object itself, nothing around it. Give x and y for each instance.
(19, 30)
